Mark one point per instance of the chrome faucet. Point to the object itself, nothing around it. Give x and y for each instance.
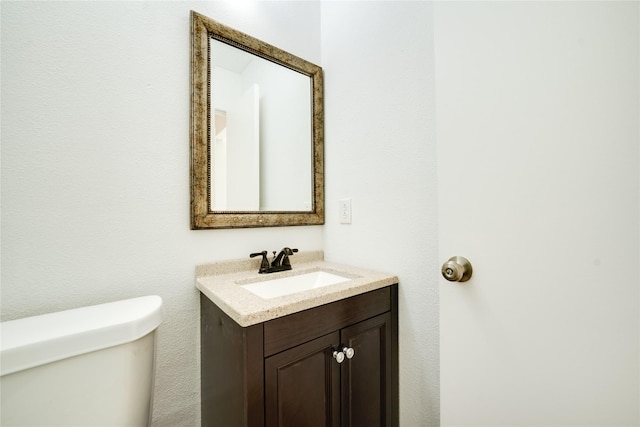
(280, 262)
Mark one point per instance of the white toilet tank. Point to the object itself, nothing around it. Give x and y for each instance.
(91, 366)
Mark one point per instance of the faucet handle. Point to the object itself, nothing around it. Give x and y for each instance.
(255, 254)
(264, 264)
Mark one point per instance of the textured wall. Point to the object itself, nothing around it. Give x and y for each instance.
(380, 127)
(95, 165)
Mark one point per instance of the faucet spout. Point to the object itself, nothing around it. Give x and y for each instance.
(282, 261)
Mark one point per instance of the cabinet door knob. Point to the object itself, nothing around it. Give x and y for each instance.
(339, 356)
(349, 352)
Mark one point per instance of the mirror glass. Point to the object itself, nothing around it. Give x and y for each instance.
(256, 132)
(261, 133)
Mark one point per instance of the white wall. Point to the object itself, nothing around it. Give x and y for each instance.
(380, 152)
(95, 165)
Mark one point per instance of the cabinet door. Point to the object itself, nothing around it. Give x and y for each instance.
(302, 385)
(366, 378)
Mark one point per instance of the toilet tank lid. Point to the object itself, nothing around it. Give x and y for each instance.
(33, 341)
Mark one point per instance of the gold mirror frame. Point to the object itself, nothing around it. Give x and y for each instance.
(202, 217)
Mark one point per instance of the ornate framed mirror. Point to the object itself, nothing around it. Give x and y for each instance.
(257, 137)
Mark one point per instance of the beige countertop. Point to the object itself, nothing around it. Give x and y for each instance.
(221, 283)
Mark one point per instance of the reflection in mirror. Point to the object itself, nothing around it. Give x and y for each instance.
(256, 132)
(268, 133)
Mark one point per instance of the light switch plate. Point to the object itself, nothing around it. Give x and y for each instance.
(345, 211)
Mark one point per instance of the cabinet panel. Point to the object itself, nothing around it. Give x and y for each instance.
(285, 332)
(232, 386)
(302, 385)
(366, 378)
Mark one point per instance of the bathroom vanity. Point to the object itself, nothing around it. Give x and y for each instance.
(325, 356)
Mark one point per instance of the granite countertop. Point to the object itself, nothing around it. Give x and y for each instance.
(221, 283)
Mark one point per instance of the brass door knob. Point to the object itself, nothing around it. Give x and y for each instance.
(457, 269)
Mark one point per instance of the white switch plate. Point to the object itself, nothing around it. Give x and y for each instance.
(345, 211)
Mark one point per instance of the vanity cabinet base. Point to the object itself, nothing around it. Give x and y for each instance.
(283, 372)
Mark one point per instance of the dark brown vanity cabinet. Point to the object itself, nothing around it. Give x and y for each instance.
(283, 372)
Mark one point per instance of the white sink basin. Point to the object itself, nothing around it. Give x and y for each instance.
(272, 288)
